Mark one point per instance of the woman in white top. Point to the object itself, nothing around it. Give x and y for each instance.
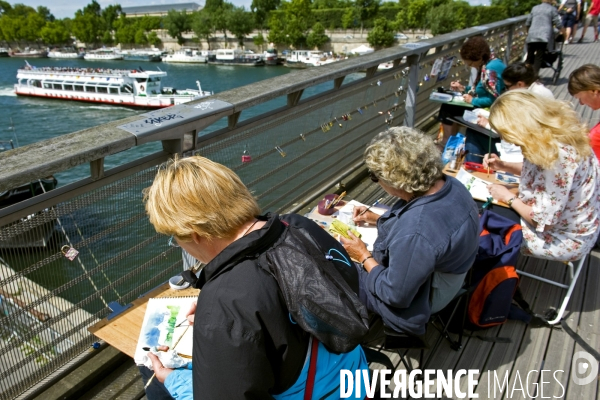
(559, 191)
(519, 76)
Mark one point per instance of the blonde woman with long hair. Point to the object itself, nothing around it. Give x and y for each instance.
(559, 192)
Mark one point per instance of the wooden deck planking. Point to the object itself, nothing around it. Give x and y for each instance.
(560, 346)
(501, 356)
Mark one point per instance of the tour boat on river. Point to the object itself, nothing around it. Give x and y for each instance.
(188, 56)
(307, 58)
(236, 57)
(132, 88)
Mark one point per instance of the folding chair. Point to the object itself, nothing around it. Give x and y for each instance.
(399, 341)
(572, 281)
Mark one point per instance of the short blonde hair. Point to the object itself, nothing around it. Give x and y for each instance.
(197, 195)
(405, 158)
(539, 126)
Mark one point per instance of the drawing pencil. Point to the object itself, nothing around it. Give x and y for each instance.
(368, 208)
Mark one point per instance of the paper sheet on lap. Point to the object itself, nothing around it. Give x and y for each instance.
(160, 326)
(476, 186)
(369, 233)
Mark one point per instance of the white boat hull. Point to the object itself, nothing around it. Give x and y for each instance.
(55, 54)
(149, 101)
(104, 57)
(188, 60)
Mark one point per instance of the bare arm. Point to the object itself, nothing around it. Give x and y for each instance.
(494, 162)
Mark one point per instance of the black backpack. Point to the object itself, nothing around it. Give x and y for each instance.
(318, 298)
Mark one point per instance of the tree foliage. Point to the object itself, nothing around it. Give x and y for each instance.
(88, 23)
(261, 10)
(382, 34)
(317, 37)
(298, 20)
(55, 33)
(202, 25)
(177, 23)
(240, 23)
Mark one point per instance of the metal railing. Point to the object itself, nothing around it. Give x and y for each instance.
(316, 132)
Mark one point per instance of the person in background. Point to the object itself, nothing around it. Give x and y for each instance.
(584, 85)
(426, 242)
(245, 345)
(591, 18)
(519, 76)
(559, 190)
(475, 53)
(540, 32)
(570, 18)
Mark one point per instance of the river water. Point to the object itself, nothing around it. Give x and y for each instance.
(27, 120)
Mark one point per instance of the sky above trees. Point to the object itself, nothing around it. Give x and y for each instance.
(67, 8)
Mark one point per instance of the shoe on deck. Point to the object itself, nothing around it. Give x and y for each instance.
(580, 40)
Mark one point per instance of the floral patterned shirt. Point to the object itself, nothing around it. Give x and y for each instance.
(567, 198)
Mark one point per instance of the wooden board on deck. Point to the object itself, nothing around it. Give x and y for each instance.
(123, 331)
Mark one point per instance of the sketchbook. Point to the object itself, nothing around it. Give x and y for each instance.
(476, 186)
(162, 316)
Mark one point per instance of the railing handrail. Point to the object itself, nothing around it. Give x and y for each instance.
(34, 161)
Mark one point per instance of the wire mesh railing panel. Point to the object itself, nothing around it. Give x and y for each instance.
(48, 301)
(283, 158)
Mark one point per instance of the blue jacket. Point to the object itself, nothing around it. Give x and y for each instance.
(439, 233)
(490, 85)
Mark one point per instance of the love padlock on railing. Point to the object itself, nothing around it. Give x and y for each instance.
(69, 252)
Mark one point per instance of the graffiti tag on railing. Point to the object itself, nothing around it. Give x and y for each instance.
(170, 117)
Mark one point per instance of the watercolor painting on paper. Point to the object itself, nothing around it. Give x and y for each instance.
(160, 326)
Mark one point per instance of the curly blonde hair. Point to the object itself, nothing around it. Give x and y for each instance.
(539, 126)
(197, 195)
(405, 158)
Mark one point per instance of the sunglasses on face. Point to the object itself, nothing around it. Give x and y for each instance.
(373, 177)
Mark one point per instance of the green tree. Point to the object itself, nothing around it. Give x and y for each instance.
(153, 39)
(261, 10)
(416, 16)
(298, 19)
(45, 13)
(202, 25)
(382, 34)
(514, 8)
(88, 24)
(366, 9)
(442, 19)
(220, 18)
(177, 23)
(109, 15)
(213, 5)
(349, 18)
(107, 38)
(34, 23)
(240, 23)
(55, 33)
(259, 41)
(140, 37)
(5, 7)
(276, 31)
(317, 37)
(124, 30)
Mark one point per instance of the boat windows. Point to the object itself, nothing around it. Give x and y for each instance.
(90, 89)
(68, 87)
(113, 90)
(140, 80)
(79, 88)
(101, 89)
(47, 85)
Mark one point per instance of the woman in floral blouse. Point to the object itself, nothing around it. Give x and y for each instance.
(559, 193)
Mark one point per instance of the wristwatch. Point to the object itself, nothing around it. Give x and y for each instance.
(509, 202)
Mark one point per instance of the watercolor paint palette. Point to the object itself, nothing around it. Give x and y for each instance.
(160, 326)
